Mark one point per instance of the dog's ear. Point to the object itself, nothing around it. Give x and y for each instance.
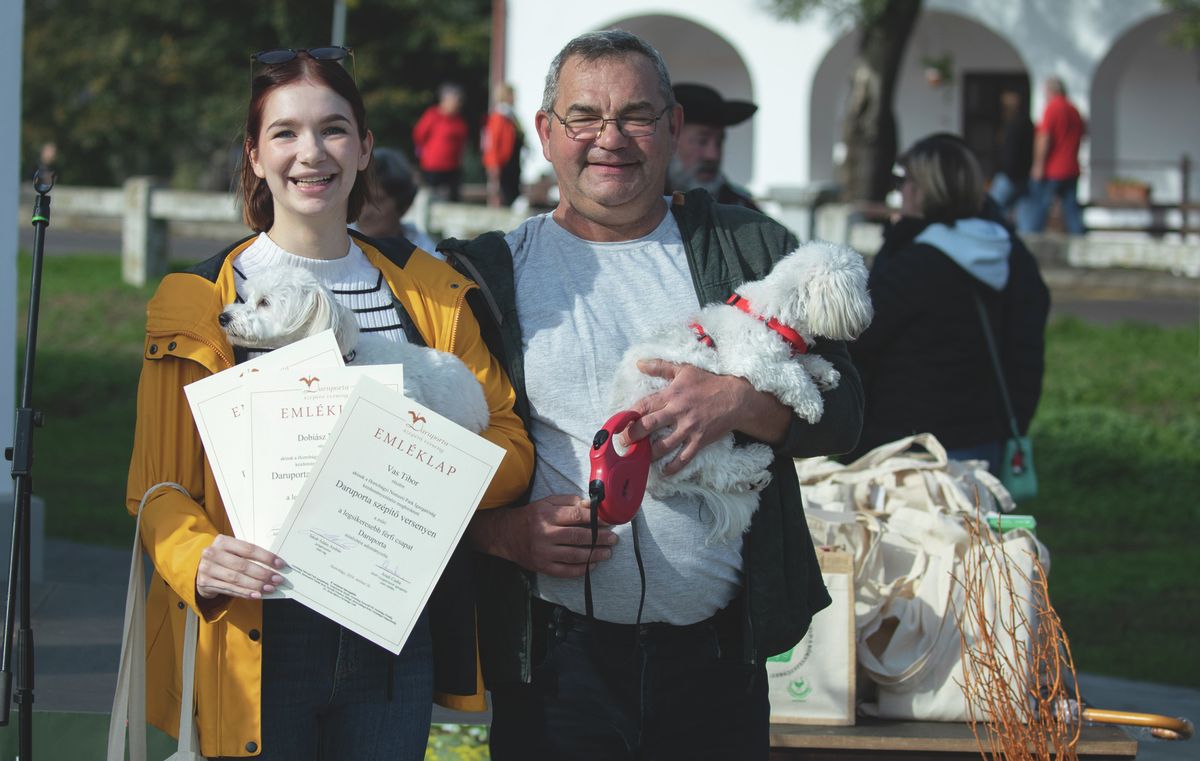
(328, 313)
(836, 303)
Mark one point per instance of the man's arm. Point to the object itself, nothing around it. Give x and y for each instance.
(700, 408)
(1041, 146)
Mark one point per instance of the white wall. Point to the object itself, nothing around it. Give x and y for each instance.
(11, 27)
(797, 71)
(1132, 133)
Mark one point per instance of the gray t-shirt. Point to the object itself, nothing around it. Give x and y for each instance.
(581, 305)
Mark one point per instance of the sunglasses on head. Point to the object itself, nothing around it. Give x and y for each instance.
(283, 55)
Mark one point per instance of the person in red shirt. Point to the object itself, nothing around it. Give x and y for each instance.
(438, 139)
(1055, 169)
(503, 142)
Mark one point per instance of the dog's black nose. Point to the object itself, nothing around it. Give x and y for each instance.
(223, 318)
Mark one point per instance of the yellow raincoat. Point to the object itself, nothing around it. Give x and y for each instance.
(185, 344)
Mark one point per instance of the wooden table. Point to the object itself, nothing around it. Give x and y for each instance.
(917, 741)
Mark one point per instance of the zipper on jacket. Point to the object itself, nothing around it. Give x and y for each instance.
(459, 304)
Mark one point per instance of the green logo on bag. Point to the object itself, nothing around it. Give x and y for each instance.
(799, 689)
(781, 658)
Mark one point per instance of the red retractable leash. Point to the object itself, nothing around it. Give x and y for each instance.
(615, 489)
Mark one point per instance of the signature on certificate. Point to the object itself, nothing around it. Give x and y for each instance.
(388, 569)
(337, 540)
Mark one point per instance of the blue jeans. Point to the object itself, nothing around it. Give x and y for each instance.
(1031, 217)
(619, 691)
(329, 694)
(1004, 191)
(992, 452)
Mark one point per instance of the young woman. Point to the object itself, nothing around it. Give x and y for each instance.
(274, 679)
(924, 360)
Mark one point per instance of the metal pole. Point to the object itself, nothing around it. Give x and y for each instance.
(1185, 167)
(339, 22)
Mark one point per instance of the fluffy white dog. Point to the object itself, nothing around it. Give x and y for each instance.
(286, 304)
(817, 291)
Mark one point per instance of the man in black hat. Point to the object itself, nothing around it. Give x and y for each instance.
(697, 161)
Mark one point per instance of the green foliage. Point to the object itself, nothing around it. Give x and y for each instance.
(1186, 33)
(457, 742)
(159, 87)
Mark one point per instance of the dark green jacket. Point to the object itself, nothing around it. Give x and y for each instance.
(726, 245)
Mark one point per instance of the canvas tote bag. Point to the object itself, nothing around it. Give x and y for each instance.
(129, 701)
(901, 510)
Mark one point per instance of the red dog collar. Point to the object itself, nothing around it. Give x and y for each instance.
(792, 338)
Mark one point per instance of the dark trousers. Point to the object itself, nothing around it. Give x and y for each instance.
(614, 691)
(329, 694)
(445, 186)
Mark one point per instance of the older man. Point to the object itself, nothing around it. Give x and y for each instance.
(680, 675)
(701, 144)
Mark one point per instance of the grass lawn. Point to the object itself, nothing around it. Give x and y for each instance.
(1118, 457)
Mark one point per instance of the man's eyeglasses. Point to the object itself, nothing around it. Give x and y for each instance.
(584, 127)
(283, 55)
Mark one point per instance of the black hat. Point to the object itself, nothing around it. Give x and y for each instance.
(704, 105)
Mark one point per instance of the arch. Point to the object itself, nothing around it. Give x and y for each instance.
(1145, 104)
(981, 61)
(696, 53)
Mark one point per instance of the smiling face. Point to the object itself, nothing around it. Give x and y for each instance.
(610, 188)
(309, 153)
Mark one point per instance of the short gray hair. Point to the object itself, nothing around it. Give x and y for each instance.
(596, 46)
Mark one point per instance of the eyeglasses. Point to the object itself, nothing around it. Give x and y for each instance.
(283, 55)
(584, 127)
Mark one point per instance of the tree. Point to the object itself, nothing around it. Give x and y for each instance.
(869, 126)
(159, 87)
(1186, 33)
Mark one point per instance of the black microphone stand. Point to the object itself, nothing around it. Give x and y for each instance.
(21, 456)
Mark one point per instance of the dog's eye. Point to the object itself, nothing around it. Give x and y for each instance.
(263, 303)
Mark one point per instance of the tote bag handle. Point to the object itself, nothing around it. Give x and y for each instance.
(129, 700)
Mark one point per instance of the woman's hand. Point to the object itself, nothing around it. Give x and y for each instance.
(232, 567)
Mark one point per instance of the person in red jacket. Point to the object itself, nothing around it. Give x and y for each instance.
(438, 138)
(1055, 169)
(503, 141)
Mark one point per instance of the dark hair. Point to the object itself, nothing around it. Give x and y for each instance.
(258, 210)
(394, 176)
(595, 46)
(947, 173)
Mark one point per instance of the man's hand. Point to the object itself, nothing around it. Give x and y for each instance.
(550, 536)
(231, 567)
(699, 408)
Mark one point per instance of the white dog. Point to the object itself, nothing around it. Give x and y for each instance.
(285, 304)
(817, 291)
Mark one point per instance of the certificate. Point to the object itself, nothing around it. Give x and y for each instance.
(218, 405)
(290, 415)
(381, 512)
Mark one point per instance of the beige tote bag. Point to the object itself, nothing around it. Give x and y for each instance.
(129, 701)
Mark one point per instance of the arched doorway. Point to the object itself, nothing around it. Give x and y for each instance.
(1145, 105)
(980, 64)
(695, 53)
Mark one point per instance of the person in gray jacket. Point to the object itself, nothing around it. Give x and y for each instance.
(570, 290)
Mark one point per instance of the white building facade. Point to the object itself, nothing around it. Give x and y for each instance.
(1140, 95)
